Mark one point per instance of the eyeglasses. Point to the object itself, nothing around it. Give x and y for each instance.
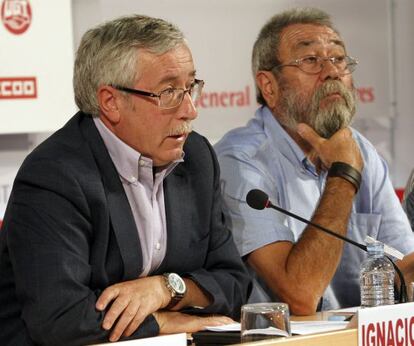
(313, 64)
(171, 97)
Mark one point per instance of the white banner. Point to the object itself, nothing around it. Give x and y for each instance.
(36, 59)
(221, 36)
(36, 67)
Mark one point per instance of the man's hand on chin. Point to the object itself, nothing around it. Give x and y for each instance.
(340, 147)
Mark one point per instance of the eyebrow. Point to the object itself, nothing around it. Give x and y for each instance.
(307, 43)
(173, 78)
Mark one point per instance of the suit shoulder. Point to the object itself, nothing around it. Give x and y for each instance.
(197, 142)
(64, 151)
(199, 153)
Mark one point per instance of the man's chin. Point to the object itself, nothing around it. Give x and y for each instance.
(169, 157)
(331, 120)
(327, 132)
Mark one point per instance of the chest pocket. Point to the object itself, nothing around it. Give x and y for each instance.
(347, 275)
(359, 227)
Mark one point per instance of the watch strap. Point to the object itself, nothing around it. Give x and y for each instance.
(173, 302)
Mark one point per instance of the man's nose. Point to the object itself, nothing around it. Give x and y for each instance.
(329, 70)
(187, 108)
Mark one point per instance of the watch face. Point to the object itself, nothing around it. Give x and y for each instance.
(176, 283)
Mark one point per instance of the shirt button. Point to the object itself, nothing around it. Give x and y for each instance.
(133, 179)
(157, 246)
(141, 163)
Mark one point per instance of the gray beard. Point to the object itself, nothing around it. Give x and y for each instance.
(295, 108)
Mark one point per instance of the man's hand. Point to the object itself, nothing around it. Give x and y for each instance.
(177, 322)
(132, 301)
(340, 147)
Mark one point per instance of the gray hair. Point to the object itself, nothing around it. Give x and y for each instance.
(108, 54)
(266, 48)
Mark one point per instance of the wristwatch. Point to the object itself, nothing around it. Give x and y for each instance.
(176, 285)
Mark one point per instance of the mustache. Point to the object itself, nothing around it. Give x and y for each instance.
(184, 128)
(334, 87)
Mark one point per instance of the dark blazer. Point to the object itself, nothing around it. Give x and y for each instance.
(68, 233)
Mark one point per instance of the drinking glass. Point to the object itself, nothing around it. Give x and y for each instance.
(264, 321)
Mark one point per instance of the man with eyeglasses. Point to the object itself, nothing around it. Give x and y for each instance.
(114, 227)
(302, 152)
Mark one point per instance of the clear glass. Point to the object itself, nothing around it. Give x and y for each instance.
(171, 97)
(313, 64)
(264, 321)
(376, 278)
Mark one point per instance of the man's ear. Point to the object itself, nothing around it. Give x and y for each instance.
(269, 87)
(109, 102)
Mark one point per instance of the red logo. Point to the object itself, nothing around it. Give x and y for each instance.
(16, 15)
(18, 88)
(240, 98)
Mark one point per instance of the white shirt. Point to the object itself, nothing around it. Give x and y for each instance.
(145, 193)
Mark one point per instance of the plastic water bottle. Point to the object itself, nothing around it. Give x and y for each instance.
(376, 278)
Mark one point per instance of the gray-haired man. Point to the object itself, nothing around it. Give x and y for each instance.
(114, 223)
(301, 151)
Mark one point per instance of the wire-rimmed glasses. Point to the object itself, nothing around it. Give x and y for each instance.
(314, 64)
(171, 97)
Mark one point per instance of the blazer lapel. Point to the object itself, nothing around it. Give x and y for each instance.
(120, 212)
(175, 194)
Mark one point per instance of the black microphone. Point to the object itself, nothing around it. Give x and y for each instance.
(257, 199)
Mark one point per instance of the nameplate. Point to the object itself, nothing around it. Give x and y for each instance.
(386, 325)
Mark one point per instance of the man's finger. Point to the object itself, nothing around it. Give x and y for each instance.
(217, 321)
(142, 310)
(199, 323)
(114, 312)
(309, 135)
(125, 319)
(106, 297)
(135, 323)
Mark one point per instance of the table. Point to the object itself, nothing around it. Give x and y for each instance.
(343, 337)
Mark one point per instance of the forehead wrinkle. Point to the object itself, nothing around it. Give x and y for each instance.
(299, 38)
(309, 43)
(174, 77)
(168, 67)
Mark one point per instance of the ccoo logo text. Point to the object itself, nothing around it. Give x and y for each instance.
(18, 88)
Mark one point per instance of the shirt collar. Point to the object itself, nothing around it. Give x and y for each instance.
(281, 139)
(126, 159)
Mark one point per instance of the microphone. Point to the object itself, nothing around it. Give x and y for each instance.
(257, 199)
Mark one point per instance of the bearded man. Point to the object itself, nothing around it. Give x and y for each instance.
(301, 150)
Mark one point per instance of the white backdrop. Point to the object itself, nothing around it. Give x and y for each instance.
(221, 34)
(36, 67)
